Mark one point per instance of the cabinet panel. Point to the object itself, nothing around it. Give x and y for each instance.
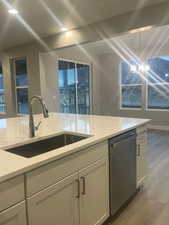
(15, 215)
(94, 200)
(141, 158)
(11, 192)
(57, 204)
(51, 173)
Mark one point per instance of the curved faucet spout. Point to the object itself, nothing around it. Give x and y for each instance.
(31, 120)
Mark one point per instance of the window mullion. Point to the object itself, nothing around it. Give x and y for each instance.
(76, 94)
(144, 93)
(2, 95)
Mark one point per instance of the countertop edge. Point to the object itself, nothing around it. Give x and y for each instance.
(93, 141)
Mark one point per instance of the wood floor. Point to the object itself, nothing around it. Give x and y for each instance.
(151, 205)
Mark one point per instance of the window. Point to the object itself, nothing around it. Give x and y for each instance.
(2, 92)
(156, 84)
(21, 85)
(67, 87)
(74, 83)
(131, 87)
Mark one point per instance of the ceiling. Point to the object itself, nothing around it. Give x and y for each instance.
(148, 43)
(42, 18)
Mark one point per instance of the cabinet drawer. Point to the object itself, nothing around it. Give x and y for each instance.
(55, 205)
(11, 192)
(51, 173)
(15, 215)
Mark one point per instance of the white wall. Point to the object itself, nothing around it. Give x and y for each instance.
(49, 81)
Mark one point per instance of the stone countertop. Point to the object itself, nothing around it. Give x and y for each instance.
(15, 132)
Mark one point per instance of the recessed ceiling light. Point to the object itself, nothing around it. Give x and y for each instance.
(64, 29)
(140, 29)
(13, 11)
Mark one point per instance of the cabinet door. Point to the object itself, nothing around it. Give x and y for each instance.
(94, 200)
(15, 215)
(56, 205)
(141, 158)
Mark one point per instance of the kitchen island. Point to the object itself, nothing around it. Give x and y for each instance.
(51, 187)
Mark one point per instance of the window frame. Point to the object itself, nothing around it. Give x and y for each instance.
(5, 112)
(147, 83)
(14, 83)
(127, 85)
(144, 97)
(90, 78)
(154, 84)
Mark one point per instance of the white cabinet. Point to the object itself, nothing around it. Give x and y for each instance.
(15, 215)
(57, 204)
(11, 192)
(51, 173)
(70, 191)
(94, 199)
(141, 157)
(82, 198)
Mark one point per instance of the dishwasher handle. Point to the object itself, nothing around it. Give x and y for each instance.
(115, 144)
(119, 139)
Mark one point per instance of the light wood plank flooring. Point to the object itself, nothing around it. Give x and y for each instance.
(151, 205)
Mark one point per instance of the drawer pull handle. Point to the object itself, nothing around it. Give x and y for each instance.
(138, 150)
(84, 185)
(78, 188)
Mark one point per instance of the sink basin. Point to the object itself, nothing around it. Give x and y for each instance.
(39, 147)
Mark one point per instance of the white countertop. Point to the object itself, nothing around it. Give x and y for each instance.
(14, 131)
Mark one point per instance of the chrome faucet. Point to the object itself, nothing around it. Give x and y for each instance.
(32, 127)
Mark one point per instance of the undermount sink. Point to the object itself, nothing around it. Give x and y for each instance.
(42, 146)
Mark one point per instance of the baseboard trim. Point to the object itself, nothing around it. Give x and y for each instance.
(141, 182)
(158, 127)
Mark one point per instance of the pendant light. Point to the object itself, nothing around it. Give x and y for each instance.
(142, 67)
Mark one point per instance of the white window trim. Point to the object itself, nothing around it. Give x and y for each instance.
(18, 87)
(154, 84)
(120, 94)
(90, 78)
(130, 109)
(3, 113)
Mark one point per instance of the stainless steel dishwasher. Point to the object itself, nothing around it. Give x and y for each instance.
(122, 156)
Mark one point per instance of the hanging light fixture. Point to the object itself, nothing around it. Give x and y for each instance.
(146, 67)
(133, 68)
(143, 68)
(140, 68)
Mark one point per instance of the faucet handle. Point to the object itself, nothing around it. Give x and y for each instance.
(38, 125)
(45, 110)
